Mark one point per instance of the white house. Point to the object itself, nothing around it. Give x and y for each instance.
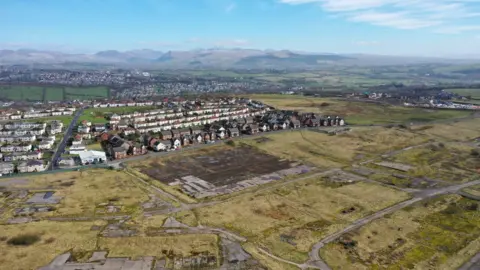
(45, 145)
(162, 145)
(177, 143)
(6, 168)
(92, 156)
(75, 149)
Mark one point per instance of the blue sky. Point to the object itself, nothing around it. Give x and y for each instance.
(397, 27)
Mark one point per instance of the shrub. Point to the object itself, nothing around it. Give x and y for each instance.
(230, 142)
(24, 240)
(475, 153)
(50, 240)
(472, 207)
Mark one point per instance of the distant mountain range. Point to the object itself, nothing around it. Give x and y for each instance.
(212, 58)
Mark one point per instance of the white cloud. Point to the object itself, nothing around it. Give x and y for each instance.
(403, 14)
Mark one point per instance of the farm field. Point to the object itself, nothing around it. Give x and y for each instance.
(98, 115)
(287, 220)
(467, 92)
(51, 93)
(358, 113)
(441, 233)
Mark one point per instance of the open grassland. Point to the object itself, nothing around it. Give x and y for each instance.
(158, 246)
(438, 234)
(54, 238)
(65, 119)
(464, 130)
(52, 93)
(265, 260)
(358, 113)
(450, 161)
(327, 151)
(99, 92)
(86, 193)
(98, 115)
(467, 92)
(288, 220)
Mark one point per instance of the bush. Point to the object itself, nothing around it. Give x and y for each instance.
(472, 207)
(475, 153)
(24, 240)
(230, 142)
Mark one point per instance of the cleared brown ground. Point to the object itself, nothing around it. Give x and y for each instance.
(219, 165)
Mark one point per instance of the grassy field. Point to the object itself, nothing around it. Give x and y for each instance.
(459, 131)
(358, 113)
(65, 119)
(52, 93)
(475, 190)
(84, 192)
(97, 115)
(327, 151)
(181, 245)
(438, 234)
(55, 239)
(287, 220)
(450, 162)
(467, 92)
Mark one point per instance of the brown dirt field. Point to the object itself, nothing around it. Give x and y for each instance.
(225, 165)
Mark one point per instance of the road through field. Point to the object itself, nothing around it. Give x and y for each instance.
(317, 262)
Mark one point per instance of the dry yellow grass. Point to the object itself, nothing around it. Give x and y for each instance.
(420, 236)
(56, 238)
(267, 261)
(181, 245)
(99, 186)
(449, 162)
(460, 131)
(187, 217)
(306, 211)
(175, 191)
(83, 191)
(336, 151)
(43, 181)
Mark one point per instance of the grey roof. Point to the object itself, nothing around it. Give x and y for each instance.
(119, 149)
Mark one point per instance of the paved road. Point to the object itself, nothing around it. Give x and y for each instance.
(61, 147)
(472, 264)
(314, 255)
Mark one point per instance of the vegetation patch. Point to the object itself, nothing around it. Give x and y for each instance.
(23, 240)
(289, 220)
(432, 234)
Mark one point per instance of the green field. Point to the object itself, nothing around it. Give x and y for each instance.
(49, 93)
(473, 93)
(358, 113)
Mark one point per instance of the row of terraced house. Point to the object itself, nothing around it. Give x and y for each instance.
(11, 114)
(163, 120)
